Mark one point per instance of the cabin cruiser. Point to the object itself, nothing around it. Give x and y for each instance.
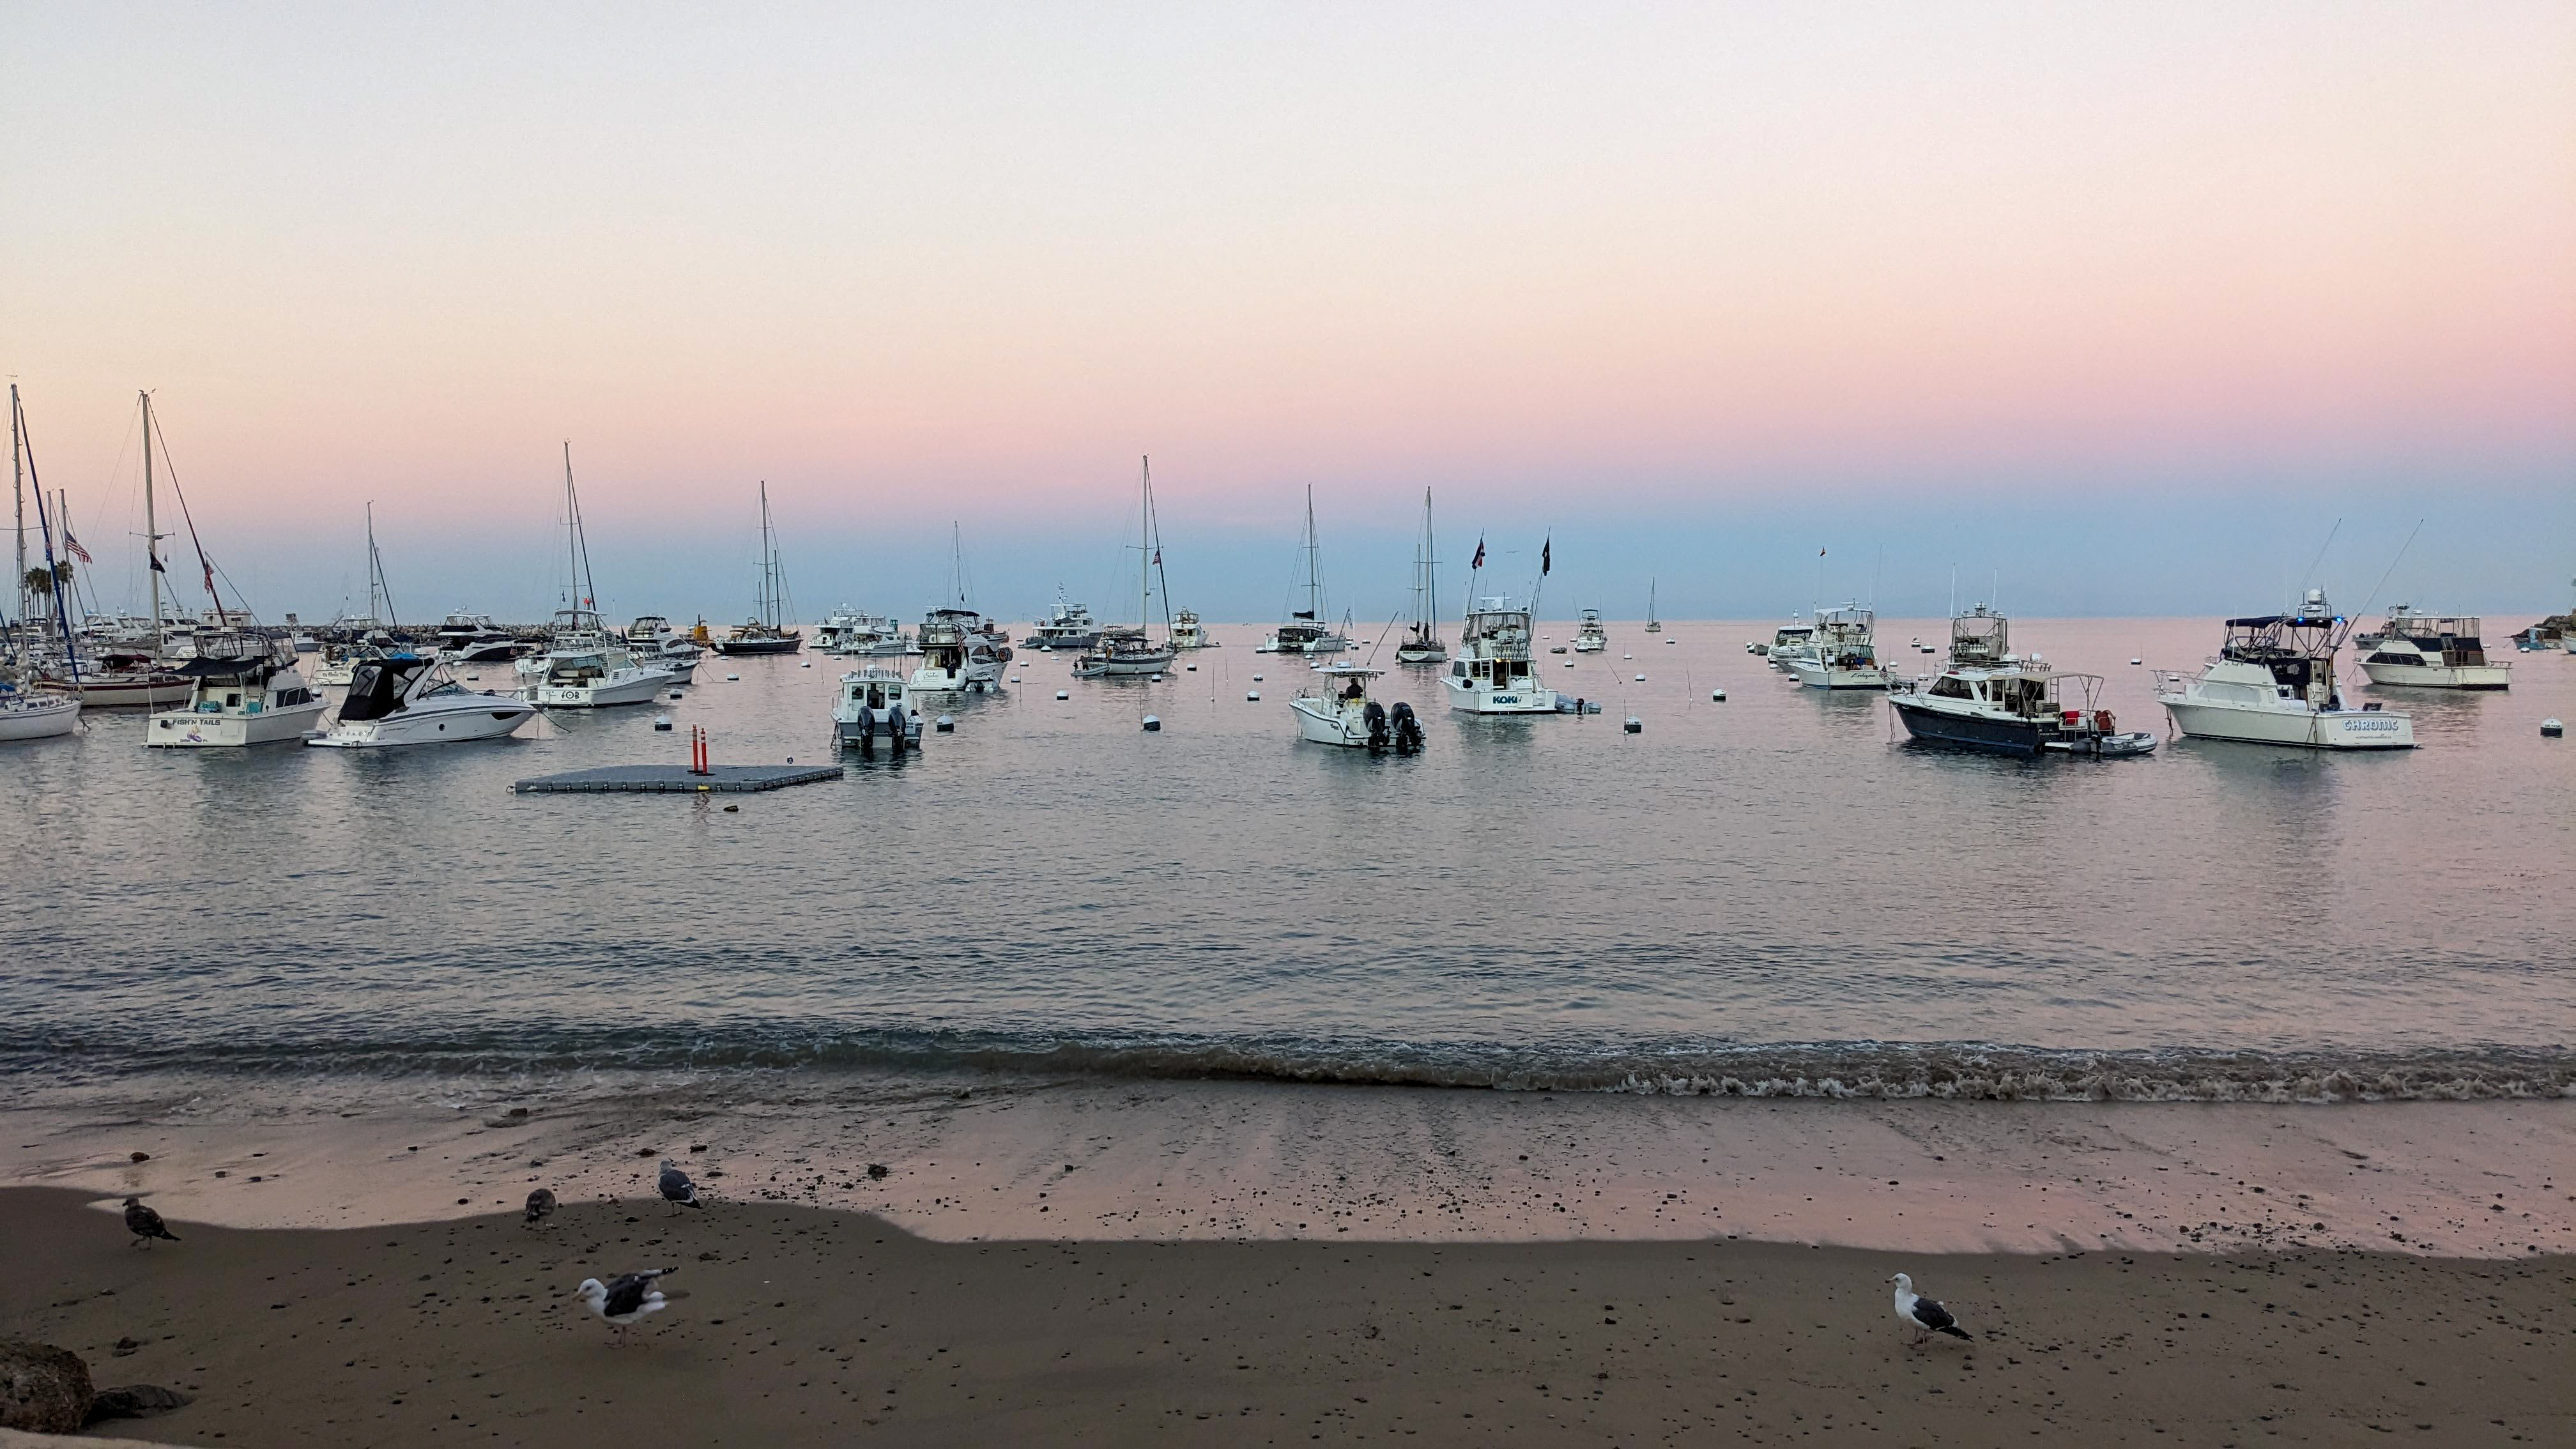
(475, 639)
(251, 695)
(871, 707)
(1989, 698)
(1589, 636)
(2429, 651)
(1788, 642)
(1492, 673)
(957, 654)
(1189, 633)
(1120, 651)
(411, 699)
(586, 668)
(1070, 626)
(1842, 652)
(653, 642)
(2273, 683)
(1336, 710)
(1302, 635)
(849, 632)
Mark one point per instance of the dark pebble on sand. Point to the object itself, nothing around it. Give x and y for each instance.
(878, 1169)
(142, 1156)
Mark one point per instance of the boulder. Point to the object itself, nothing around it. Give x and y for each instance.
(43, 1389)
(134, 1401)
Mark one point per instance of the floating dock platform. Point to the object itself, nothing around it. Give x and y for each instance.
(675, 780)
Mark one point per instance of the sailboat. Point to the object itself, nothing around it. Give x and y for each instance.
(135, 676)
(1422, 645)
(1653, 624)
(25, 715)
(766, 632)
(585, 666)
(374, 638)
(1120, 650)
(1305, 632)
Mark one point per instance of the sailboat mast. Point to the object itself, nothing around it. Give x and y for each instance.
(18, 494)
(1314, 575)
(768, 600)
(576, 548)
(151, 531)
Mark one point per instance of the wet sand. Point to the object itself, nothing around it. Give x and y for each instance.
(809, 1325)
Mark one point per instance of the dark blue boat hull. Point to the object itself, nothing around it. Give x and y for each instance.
(2010, 737)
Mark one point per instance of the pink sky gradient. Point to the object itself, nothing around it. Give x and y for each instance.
(923, 263)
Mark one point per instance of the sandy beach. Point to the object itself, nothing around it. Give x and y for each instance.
(1122, 1263)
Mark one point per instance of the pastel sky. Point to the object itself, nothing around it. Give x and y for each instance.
(2134, 299)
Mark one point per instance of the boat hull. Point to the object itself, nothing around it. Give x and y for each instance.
(1320, 722)
(2347, 729)
(1816, 674)
(195, 730)
(488, 652)
(40, 717)
(1412, 654)
(1467, 697)
(498, 718)
(602, 694)
(1971, 731)
(738, 648)
(124, 692)
(2440, 676)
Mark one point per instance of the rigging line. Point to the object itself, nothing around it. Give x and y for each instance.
(2392, 568)
(222, 619)
(62, 617)
(2321, 553)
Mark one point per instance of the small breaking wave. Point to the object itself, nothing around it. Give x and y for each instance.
(1836, 1071)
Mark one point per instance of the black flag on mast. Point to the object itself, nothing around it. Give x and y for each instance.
(1546, 552)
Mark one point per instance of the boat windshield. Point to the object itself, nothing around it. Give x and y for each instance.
(376, 687)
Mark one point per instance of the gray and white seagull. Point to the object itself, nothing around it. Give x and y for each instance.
(676, 1187)
(624, 1299)
(1923, 1315)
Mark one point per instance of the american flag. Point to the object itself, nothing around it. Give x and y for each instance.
(72, 546)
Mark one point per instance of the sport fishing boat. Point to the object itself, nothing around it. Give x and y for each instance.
(766, 632)
(656, 645)
(957, 655)
(1189, 633)
(1492, 673)
(1305, 632)
(1421, 643)
(871, 707)
(475, 639)
(585, 667)
(1788, 642)
(411, 699)
(2273, 683)
(2429, 651)
(252, 695)
(1067, 626)
(1842, 652)
(1589, 636)
(1989, 698)
(1335, 709)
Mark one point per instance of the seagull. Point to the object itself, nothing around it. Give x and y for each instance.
(1923, 1315)
(676, 1187)
(146, 1224)
(624, 1299)
(540, 1203)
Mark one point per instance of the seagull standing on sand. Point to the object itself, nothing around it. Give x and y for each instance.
(146, 1224)
(676, 1187)
(624, 1299)
(540, 1203)
(1923, 1315)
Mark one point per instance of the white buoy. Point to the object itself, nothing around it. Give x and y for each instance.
(1158, 676)
(808, 664)
(1252, 694)
(662, 722)
(675, 694)
(1672, 641)
(1015, 679)
(1153, 724)
(733, 676)
(474, 679)
(2133, 659)
(1192, 668)
(947, 724)
(2552, 728)
(1569, 664)
(1717, 696)
(1256, 679)
(1060, 694)
(1641, 679)
(1627, 656)
(1633, 725)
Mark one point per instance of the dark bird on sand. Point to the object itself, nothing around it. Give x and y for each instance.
(676, 1187)
(624, 1299)
(1923, 1315)
(540, 1203)
(146, 1224)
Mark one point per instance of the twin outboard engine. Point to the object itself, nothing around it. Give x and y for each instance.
(896, 721)
(1407, 729)
(1374, 714)
(867, 727)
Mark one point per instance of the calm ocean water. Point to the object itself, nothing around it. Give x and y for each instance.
(1773, 894)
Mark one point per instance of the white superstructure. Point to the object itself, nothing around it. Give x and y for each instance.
(254, 696)
(1493, 673)
(2429, 651)
(2273, 683)
(1842, 653)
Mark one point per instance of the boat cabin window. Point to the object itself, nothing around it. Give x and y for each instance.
(1949, 688)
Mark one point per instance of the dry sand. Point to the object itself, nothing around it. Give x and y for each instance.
(805, 1325)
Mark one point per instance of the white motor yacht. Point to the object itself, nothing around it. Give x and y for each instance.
(252, 695)
(2273, 683)
(1189, 633)
(1589, 636)
(654, 643)
(474, 639)
(871, 707)
(1789, 642)
(1336, 710)
(958, 655)
(1842, 653)
(411, 699)
(1067, 626)
(2429, 651)
(1493, 673)
(339, 662)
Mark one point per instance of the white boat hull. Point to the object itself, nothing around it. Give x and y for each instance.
(1470, 697)
(1816, 674)
(2440, 676)
(188, 729)
(1322, 722)
(39, 717)
(625, 687)
(126, 692)
(2342, 729)
(501, 717)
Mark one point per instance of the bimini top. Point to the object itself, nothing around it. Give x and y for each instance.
(1348, 671)
(2290, 621)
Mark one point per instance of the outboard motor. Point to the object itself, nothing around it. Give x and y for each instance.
(1408, 730)
(1374, 715)
(896, 723)
(867, 728)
